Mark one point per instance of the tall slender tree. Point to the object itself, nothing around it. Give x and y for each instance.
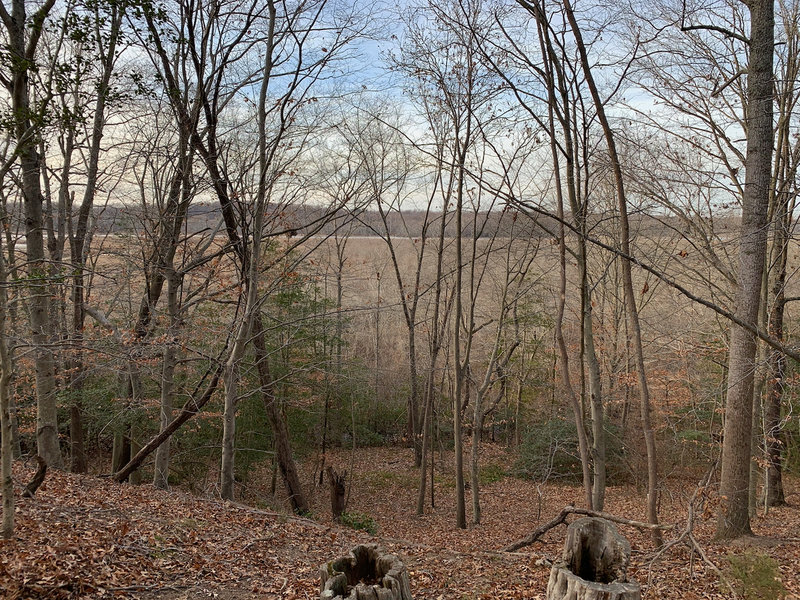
(734, 515)
(23, 33)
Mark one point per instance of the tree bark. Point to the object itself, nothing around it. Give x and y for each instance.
(23, 38)
(632, 311)
(6, 436)
(277, 421)
(161, 471)
(336, 482)
(733, 516)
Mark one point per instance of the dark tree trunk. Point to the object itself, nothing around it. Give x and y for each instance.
(24, 32)
(338, 487)
(277, 421)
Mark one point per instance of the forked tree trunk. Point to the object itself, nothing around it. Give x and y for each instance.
(632, 312)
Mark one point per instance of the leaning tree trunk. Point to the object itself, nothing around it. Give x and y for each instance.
(277, 421)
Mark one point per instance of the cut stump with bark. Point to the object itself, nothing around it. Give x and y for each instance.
(365, 574)
(338, 487)
(594, 564)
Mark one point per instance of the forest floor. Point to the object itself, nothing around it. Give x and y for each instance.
(84, 536)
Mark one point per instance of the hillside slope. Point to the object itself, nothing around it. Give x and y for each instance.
(83, 536)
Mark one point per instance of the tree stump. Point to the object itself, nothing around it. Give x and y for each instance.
(594, 564)
(365, 574)
(338, 488)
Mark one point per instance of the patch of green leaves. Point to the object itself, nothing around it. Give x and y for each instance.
(357, 520)
(755, 576)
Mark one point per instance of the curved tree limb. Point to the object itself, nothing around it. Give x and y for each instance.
(568, 510)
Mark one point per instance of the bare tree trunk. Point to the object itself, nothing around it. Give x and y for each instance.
(597, 410)
(80, 235)
(231, 383)
(6, 436)
(773, 438)
(554, 78)
(277, 421)
(733, 517)
(630, 297)
(337, 482)
(438, 334)
(161, 471)
(250, 256)
(426, 442)
(460, 368)
(24, 32)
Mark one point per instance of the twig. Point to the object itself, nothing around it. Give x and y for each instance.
(687, 536)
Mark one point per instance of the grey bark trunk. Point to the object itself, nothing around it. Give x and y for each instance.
(23, 37)
(632, 312)
(6, 436)
(161, 472)
(733, 516)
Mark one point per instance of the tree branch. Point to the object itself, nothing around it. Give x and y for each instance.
(562, 517)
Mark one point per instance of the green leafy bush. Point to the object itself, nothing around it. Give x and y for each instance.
(755, 576)
(357, 520)
(549, 450)
(491, 473)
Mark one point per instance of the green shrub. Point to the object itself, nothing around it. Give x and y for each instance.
(755, 576)
(549, 450)
(491, 473)
(357, 520)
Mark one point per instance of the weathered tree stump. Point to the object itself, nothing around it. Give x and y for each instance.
(365, 574)
(337, 484)
(594, 564)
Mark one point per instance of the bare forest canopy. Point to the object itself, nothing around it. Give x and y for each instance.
(520, 244)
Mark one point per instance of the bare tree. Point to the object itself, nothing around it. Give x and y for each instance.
(6, 437)
(23, 33)
(734, 516)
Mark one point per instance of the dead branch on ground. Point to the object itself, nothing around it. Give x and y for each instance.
(562, 517)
